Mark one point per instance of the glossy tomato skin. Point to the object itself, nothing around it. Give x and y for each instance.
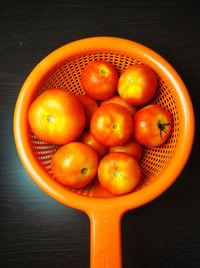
(111, 125)
(137, 84)
(152, 125)
(56, 116)
(99, 80)
(119, 173)
(88, 139)
(90, 106)
(71, 167)
(130, 147)
(118, 100)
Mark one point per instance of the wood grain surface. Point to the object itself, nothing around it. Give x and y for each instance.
(37, 231)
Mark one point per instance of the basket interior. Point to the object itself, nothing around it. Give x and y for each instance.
(67, 76)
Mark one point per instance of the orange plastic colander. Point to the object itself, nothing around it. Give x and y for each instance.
(160, 165)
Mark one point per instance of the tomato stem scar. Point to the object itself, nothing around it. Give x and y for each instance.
(117, 173)
(162, 128)
(162, 125)
(84, 171)
(115, 126)
(103, 71)
(51, 118)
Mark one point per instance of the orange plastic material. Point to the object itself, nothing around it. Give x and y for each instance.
(160, 165)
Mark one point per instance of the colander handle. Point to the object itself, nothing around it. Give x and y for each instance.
(105, 241)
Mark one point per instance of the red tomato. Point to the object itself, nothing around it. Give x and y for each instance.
(90, 106)
(120, 101)
(131, 147)
(152, 125)
(75, 164)
(111, 124)
(137, 84)
(99, 80)
(56, 116)
(119, 173)
(88, 139)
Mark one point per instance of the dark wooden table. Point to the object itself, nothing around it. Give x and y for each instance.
(37, 231)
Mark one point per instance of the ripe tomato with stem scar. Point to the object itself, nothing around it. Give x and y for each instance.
(56, 116)
(119, 173)
(111, 125)
(152, 125)
(137, 84)
(99, 80)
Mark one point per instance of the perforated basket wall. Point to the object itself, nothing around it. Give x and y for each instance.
(67, 76)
